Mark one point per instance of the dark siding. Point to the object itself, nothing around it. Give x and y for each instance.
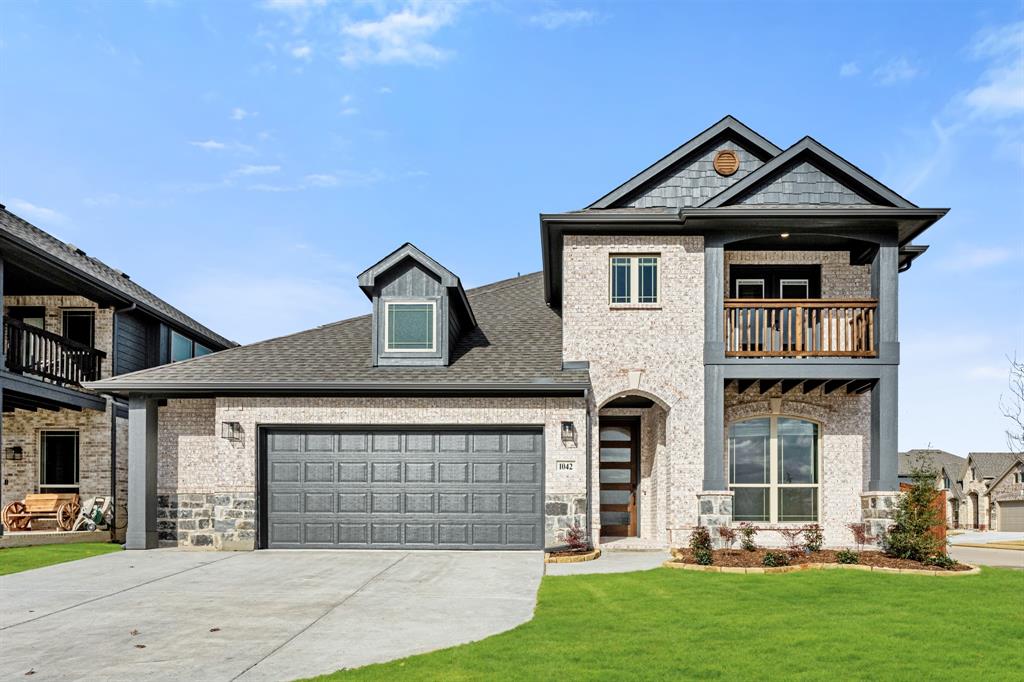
(132, 346)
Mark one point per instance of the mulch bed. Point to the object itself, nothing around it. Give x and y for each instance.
(743, 559)
(570, 552)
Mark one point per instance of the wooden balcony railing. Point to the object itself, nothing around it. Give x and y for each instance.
(786, 328)
(29, 350)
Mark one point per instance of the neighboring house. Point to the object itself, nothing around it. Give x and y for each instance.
(69, 319)
(979, 474)
(1006, 496)
(948, 469)
(713, 341)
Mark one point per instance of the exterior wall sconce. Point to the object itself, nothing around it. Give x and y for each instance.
(13, 453)
(231, 431)
(569, 434)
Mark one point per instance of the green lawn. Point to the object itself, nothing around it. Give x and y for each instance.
(820, 625)
(15, 559)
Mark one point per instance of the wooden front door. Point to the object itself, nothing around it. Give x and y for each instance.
(619, 458)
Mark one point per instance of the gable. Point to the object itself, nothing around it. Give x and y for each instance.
(692, 181)
(805, 183)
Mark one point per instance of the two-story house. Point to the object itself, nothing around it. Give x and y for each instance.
(978, 477)
(948, 469)
(69, 319)
(715, 341)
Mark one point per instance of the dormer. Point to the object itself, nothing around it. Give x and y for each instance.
(419, 309)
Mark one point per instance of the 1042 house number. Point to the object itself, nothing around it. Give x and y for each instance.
(566, 465)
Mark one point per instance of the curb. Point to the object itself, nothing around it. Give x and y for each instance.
(574, 559)
(815, 567)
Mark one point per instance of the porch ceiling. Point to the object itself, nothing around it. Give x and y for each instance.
(849, 386)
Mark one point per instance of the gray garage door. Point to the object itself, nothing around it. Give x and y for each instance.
(1011, 516)
(404, 489)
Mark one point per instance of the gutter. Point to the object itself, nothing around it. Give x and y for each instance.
(298, 388)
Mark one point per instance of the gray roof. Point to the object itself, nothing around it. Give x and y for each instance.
(953, 464)
(991, 464)
(517, 343)
(27, 235)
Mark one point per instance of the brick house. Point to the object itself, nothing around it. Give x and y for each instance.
(948, 470)
(714, 341)
(980, 475)
(1006, 495)
(68, 319)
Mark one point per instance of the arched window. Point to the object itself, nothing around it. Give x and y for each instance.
(774, 465)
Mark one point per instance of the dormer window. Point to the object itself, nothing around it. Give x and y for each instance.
(409, 326)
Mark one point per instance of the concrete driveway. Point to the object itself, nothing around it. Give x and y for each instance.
(268, 615)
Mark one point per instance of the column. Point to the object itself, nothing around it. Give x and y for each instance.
(142, 447)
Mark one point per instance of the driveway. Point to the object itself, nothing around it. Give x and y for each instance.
(268, 615)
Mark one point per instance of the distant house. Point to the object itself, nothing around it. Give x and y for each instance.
(1006, 497)
(948, 470)
(982, 471)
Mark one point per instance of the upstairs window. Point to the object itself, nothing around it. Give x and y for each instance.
(181, 347)
(634, 279)
(409, 327)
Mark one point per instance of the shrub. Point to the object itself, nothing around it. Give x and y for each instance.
(700, 545)
(910, 536)
(728, 536)
(747, 533)
(793, 544)
(940, 561)
(861, 535)
(772, 559)
(847, 556)
(576, 538)
(813, 538)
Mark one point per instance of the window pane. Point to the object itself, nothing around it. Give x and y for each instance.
(750, 504)
(202, 350)
(648, 273)
(748, 451)
(750, 288)
(78, 326)
(58, 458)
(615, 496)
(616, 433)
(181, 347)
(616, 454)
(794, 288)
(410, 326)
(616, 476)
(614, 518)
(798, 504)
(798, 451)
(620, 280)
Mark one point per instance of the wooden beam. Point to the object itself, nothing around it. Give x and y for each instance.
(743, 384)
(834, 385)
(812, 384)
(767, 385)
(860, 386)
(789, 384)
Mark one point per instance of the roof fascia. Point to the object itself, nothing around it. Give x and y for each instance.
(809, 147)
(765, 148)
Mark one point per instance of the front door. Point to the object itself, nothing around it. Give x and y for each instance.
(619, 456)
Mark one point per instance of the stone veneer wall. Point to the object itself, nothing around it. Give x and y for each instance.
(103, 320)
(23, 428)
(845, 451)
(653, 351)
(839, 279)
(1006, 489)
(206, 483)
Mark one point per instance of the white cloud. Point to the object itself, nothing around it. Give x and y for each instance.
(555, 19)
(209, 145)
(976, 258)
(849, 69)
(249, 169)
(1000, 93)
(349, 111)
(36, 213)
(384, 90)
(239, 114)
(262, 187)
(895, 71)
(987, 372)
(345, 178)
(401, 37)
(302, 52)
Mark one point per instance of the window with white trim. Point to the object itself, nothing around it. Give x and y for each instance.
(634, 279)
(409, 326)
(774, 465)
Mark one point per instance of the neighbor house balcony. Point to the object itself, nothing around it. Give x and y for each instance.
(50, 357)
(800, 328)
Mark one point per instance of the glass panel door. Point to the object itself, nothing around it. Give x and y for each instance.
(618, 460)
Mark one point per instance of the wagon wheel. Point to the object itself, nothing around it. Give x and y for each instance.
(10, 516)
(66, 515)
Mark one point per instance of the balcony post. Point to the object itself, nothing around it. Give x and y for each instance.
(885, 289)
(714, 301)
(142, 447)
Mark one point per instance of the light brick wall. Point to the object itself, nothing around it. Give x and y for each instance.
(193, 460)
(839, 279)
(980, 488)
(103, 325)
(845, 451)
(1006, 489)
(657, 352)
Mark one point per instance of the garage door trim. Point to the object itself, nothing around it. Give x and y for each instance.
(264, 430)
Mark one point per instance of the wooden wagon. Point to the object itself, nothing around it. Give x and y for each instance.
(60, 507)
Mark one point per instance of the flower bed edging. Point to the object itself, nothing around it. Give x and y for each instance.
(814, 567)
(573, 558)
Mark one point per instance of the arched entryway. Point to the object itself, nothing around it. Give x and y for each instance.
(975, 510)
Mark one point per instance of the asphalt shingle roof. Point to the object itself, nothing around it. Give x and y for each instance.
(518, 340)
(992, 464)
(953, 464)
(20, 230)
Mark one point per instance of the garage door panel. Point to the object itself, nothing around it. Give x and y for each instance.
(1011, 516)
(439, 489)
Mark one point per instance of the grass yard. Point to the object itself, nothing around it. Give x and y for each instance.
(814, 625)
(15, 559)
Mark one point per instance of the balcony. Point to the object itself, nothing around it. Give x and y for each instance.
(48, 356)
(800, 328)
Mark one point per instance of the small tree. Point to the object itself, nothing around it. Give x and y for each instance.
(861, 535)
(700, 544)
(576, 538)
(813, 538)
(728, 536)
(910, 536)
(792, 536)
(747, 533)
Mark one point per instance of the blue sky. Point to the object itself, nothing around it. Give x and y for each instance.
(246, 160)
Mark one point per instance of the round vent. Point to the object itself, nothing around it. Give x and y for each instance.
(727, 162)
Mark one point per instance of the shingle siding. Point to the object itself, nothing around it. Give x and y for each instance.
(805, 184)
